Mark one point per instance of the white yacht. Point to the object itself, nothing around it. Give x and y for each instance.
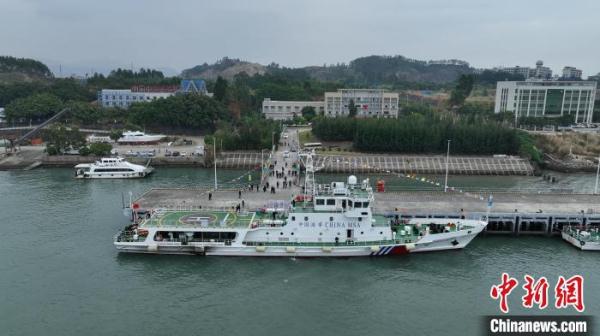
(137, 137)
(332, 220)
(111, 168)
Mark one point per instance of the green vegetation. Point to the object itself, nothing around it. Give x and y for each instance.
(37, 107)
(417, 133)
(125, 79)
(191, 111)
(60, 139)
(308, 113)
(97, 149)
(462, 90)
(528, 148)
(220, 89)
(250, 133)
(27, 66)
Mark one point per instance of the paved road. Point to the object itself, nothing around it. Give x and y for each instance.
(282, 160)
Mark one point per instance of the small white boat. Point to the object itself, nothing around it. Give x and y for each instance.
(111, 168)
(584, 240)
(137, 137)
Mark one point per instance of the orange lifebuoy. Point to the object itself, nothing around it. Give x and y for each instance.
(142, 232)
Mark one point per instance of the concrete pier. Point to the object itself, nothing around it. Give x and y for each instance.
(512, 213)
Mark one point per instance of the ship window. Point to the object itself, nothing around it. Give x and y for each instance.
(306, 218)
(293, 218)
(365, 204)
(357, 204)
(360, 219)
(320, 201)
(292, 233)
(267, 233)
(331, 219)
(331, 201)
(362, 232)
(281, 233)
(349, 203)
(380, 232)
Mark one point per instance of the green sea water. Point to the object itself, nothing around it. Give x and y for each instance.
(60, 275)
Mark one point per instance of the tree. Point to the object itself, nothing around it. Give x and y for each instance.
(352, 110)
(308, 112)
(462, 90)
(37, 107)
(60, 139)
(100, 149)
(220, 89)
(116, 134)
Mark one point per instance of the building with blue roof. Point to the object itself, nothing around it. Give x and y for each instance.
(193, 86)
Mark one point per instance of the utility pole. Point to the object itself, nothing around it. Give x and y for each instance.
(215, 160)
(597, 174)
(447, 162)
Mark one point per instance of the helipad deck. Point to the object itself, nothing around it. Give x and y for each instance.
(199, 219)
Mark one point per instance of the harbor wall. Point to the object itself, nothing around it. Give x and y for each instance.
(421, 164)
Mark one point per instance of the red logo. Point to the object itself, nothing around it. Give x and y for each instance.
(567, 292)
(502, 291)
(537, 292)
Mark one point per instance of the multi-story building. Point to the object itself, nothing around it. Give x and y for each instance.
(540, 71)
(368, 102)
(547, 99)
(146, 93)
(124, 98)
(570, 72)
(285, 110)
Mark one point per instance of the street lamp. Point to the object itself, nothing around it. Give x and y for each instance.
(447, 162)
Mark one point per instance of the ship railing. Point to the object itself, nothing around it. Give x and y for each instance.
(318, 244)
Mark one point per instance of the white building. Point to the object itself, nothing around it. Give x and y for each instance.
(547, 99)
(124, 98)
(146, 93)
(540, 71)
(570, 72)
(369, 103)
(285, 110)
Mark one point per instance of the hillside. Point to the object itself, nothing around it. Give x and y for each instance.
(226, 68)
(369, 71)
(14, 69)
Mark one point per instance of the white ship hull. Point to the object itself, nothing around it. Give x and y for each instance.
(108, 168)
(580, 244)
(431, 243)
(115, 175)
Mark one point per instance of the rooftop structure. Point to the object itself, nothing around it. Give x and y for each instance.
(193, 86)
(547, 99)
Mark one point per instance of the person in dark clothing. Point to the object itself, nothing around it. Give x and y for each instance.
(209, 195)
(240, 193)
